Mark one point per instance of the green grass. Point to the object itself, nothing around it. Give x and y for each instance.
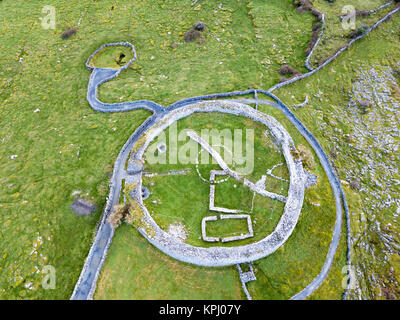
(233, 57)
(227, 228)
(37, 186)
(329, 118)
(292, 267)
(148, 273)
(67, 146)
(241, 198)
(169, 201)
(280, 275)
(335, 36)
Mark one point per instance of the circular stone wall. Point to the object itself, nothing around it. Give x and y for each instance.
(222, 256)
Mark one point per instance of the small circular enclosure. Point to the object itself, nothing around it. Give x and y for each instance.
(116, 56)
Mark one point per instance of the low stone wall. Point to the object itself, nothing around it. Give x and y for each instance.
(124, 44)
(204, 226)
(100, 76)
(338, 53)
(261, 190)
(250, 234)
(217, 157)
(211, 204)
(246, 277)
(86, 284)
(221, 256)
(307, 63)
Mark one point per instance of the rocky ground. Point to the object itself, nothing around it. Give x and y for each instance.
(372, 157)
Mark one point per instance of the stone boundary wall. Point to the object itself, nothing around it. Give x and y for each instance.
(375, 10)
(211, 205)
(250, 234)
(221, 256)
(338, 192)
(206, 238)
(101, 75)
(217, 157)
(338, 53)
(156, 108)
(203, 229)
(304, 103)
(99, 241)
(256, 188)
(286, 110)
(340, 198)
(308, 66)
(283, 108)
(246, 277)
(124, 44)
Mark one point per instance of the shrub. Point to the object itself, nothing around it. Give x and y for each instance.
(322, 61)
(364, 103)
(359, 32)
(306, 156)
(355, 185)
(316, 14)
(119, 213)
(314, 37)
(317, 26)
(120, 59)
(363, 13)
(200, 26)
(69, 33)
(191, 35)
(288, 70)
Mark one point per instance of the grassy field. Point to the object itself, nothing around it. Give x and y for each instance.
(62, 146)
(355, 141)
(65, 147)
(280, 275)
(335, 36)
(54, 146)
(148, 273)
(246, 42)
(169, 201)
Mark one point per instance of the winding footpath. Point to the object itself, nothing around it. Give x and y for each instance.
(87, 281)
